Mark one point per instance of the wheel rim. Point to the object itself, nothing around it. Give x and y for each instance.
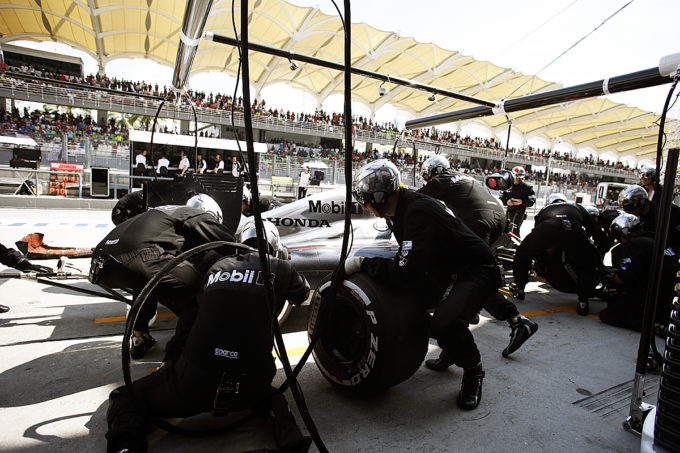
(347, 334)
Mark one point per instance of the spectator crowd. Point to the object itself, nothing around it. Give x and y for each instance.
(82, 127)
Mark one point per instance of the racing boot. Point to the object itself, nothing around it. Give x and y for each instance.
(522, 329)
(4, 308)
(582, 307)
(471, 390)
(140, 345)
(441, 363)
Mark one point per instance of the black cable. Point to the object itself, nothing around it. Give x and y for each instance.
(233, 98)
(661, 139)
(571, 47)
(262, 245)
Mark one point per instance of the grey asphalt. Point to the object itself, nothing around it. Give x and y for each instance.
(567, 389)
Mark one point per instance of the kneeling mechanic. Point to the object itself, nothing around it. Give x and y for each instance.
(227, 364)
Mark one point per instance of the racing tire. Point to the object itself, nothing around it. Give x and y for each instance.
(371, 337)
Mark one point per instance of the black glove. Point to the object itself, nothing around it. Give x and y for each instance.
(25, 266)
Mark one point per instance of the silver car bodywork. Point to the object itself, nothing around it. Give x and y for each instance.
(312, 230)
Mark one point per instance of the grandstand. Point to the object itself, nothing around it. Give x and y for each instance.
(103, 143)
(619, 130)
(41, 61)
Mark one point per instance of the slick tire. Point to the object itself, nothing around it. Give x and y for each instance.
(371, 337)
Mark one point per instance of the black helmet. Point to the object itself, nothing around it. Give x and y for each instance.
(375, 182)
(500, 180)
(434, 165)
(592, 211)
(624, 225)
(633, 197)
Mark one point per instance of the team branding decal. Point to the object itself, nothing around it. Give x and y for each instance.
(296, 222)
(333, 207)
(226, 353)
(111, 241)
(235, 276)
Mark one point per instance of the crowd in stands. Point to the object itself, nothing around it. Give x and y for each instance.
(49, 125)
(44, 125)
(330, 120)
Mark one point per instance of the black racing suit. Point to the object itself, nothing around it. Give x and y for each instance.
(229, 346)
(649, 225)
(470, 202)
(632, 261)
(133, 252)
(565, 255)
(435, 246)
(481, 213)
(520, 191)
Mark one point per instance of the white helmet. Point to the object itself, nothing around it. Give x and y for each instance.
(633, 197)
(557, 198)
(206, 203)
(248, 236)
(375, 182)
(434, 165)
(624, 225)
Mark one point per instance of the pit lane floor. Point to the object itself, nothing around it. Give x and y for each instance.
(567, 389)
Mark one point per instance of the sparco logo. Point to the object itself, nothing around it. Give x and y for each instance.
(226, 353)
(289, 222)
(333, 207)
(247, 276)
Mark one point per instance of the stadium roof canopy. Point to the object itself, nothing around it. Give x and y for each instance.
(111, 29)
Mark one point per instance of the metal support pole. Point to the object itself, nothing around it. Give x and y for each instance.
(632, 81)
(638, 409)
(507, 143)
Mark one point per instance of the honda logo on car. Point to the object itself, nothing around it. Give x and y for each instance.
(289, 222)
(247, 276)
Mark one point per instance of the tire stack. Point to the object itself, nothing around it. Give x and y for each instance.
(667, 423)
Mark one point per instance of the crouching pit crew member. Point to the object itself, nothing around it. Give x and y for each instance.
(134, 251)
(14, 258)
(566, 257)
(627, 288)
(484, 216)
(227, 365)
(434, 246)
